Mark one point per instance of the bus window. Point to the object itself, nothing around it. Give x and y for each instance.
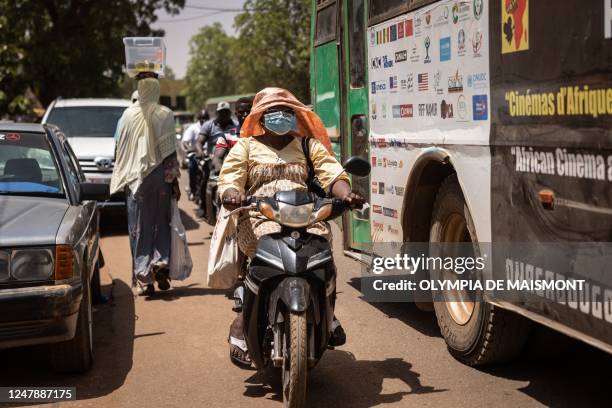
(326, 23)
(379, 9)
(356, 44)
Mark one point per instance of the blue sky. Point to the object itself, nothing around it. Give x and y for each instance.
(179, 29)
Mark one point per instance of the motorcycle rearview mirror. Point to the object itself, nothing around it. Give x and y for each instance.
(357, 166)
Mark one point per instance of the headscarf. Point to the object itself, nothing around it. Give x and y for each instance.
(146, 138)
(308, 123)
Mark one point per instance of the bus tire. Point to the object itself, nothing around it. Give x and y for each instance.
(486, 334)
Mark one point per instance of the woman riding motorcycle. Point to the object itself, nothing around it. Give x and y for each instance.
(268, 158)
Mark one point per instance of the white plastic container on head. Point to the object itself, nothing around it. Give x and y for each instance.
(145, 54)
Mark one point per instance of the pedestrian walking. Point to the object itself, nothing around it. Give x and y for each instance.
(147, 170)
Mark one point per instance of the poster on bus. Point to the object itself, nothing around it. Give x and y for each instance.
(429, 84)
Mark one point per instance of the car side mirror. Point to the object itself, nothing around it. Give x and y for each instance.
(357, 166)
(94, 192)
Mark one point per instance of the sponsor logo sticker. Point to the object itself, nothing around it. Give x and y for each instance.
(394, 231)
(428, 109)
(423, 80)
(401, 56)
(402, 111)
(478, 6)
(393, 83)
(10, 137)
(436, 83)
(462, 107)
(461, 11)
(480, 107)
(476, 43)
(515, 25)
(445, 49)
(446, 110)
(390, 212)
(461, 42)
(379, 87)
(427, 43)
(477, 81)
(455, 83)
(409, 28)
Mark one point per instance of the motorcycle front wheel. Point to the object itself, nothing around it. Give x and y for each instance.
(295, 362)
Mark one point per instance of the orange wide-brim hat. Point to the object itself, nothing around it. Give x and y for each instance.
(308, 123)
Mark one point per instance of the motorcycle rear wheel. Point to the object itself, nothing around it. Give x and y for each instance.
(295, 362)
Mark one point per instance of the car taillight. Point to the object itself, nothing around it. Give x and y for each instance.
(63, 262)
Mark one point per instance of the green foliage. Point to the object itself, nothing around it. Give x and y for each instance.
(209, 70)
(271, 49)
(273, 46)
(69, 48)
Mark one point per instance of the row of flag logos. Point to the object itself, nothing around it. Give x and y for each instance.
(395, 32)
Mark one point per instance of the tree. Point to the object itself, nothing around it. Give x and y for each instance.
(209, 69)
(273, 46)
(70, 48)
(272, 49)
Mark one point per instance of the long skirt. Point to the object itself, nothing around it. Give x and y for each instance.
(149, 226)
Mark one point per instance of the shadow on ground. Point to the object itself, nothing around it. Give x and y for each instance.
(192, 289)
(114, 325)
(340, 380)
(406, 312)
(188, 221)
(561, 371)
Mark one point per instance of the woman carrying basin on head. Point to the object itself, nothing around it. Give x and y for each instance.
(147, 169)
(268, 158)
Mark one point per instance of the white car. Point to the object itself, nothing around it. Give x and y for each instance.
(90, 126)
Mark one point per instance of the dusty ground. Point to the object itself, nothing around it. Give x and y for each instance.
(171, 351)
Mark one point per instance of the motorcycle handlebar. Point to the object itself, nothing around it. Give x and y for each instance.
(338, 204)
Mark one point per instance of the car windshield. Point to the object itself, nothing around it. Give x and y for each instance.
(28, 166)
(86, 121)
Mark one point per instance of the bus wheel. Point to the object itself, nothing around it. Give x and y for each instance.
(475, 332)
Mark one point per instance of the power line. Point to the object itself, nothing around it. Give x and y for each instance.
(225, 10)
(178, 20)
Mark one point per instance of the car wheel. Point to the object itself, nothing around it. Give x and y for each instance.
(76, 355)
(475, 332)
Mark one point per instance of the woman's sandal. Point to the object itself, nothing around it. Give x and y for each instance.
(161, 277)
(239, 354)
(147, 290)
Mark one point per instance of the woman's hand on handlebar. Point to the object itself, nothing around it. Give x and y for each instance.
(233, 199)
(342, 190)
(354, 199)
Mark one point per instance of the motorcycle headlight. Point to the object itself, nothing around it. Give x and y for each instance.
(4, 265)
(295, 216)
(322, 214)
(32, 264)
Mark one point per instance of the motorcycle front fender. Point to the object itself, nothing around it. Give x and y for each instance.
(294, 293)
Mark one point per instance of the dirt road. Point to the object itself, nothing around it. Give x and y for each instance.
(171, 351)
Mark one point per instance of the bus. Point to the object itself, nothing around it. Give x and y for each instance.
(485, 121)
